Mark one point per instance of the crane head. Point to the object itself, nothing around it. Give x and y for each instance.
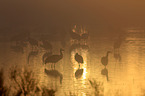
(108, 51)
(61, 49)
(76, 54)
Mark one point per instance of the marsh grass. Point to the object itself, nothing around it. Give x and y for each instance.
(48, 92)
(98, 87)
(4, 91)
(71, 94)
(27, 85)
(25, 81)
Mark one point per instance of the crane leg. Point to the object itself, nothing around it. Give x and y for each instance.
(54, 66)
(107, 77)
(51, 66)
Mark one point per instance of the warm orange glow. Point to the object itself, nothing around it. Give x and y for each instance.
(82, 66)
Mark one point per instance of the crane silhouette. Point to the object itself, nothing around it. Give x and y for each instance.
(104, 60)
(85, 47)
(105, 72)
(46, 45)
(117, 44)
(46, 55)
(32, 54)
(79, 73)
(84, 36)
(117, 56)
(54, 74)
(79, 59)
(74, 46)
(75, 36)
(54, 58)
(33, 42)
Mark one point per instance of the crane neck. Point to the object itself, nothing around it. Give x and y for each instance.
(107, 54)
(61, 53)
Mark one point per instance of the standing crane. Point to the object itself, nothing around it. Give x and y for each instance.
(46, 55)
(79, 59)
(33, 42)
(105, 72)
(104, 60)
(46, 45)
(55, 74)
(117, 56)
(32, 54)
(79, 73)
(54, 58)
(117, 44)
(84, 36)
(75, 36)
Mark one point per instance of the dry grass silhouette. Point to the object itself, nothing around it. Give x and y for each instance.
(25, 81)
(97, 86)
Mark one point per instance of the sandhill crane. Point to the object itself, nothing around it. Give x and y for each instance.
(79, 73)
(33, 42)
(46, 55)
(54, 58)
(75, 36)
(104, 60)
(74, 46)
(46, 45)
(32, 54)
(17, 49)
(84, 36)
(55, 74)
(105, 72)
(48, 92)
(117, 44)
(117, 56)
(79, 59)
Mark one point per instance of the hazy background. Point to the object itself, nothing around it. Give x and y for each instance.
(31, 14)
(105, 20)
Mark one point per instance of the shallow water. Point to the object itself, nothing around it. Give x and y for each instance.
(126, 77)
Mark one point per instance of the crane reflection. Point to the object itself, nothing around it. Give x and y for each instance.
(82, 73)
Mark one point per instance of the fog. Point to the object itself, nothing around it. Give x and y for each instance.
(32, 30)
(63, 12)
